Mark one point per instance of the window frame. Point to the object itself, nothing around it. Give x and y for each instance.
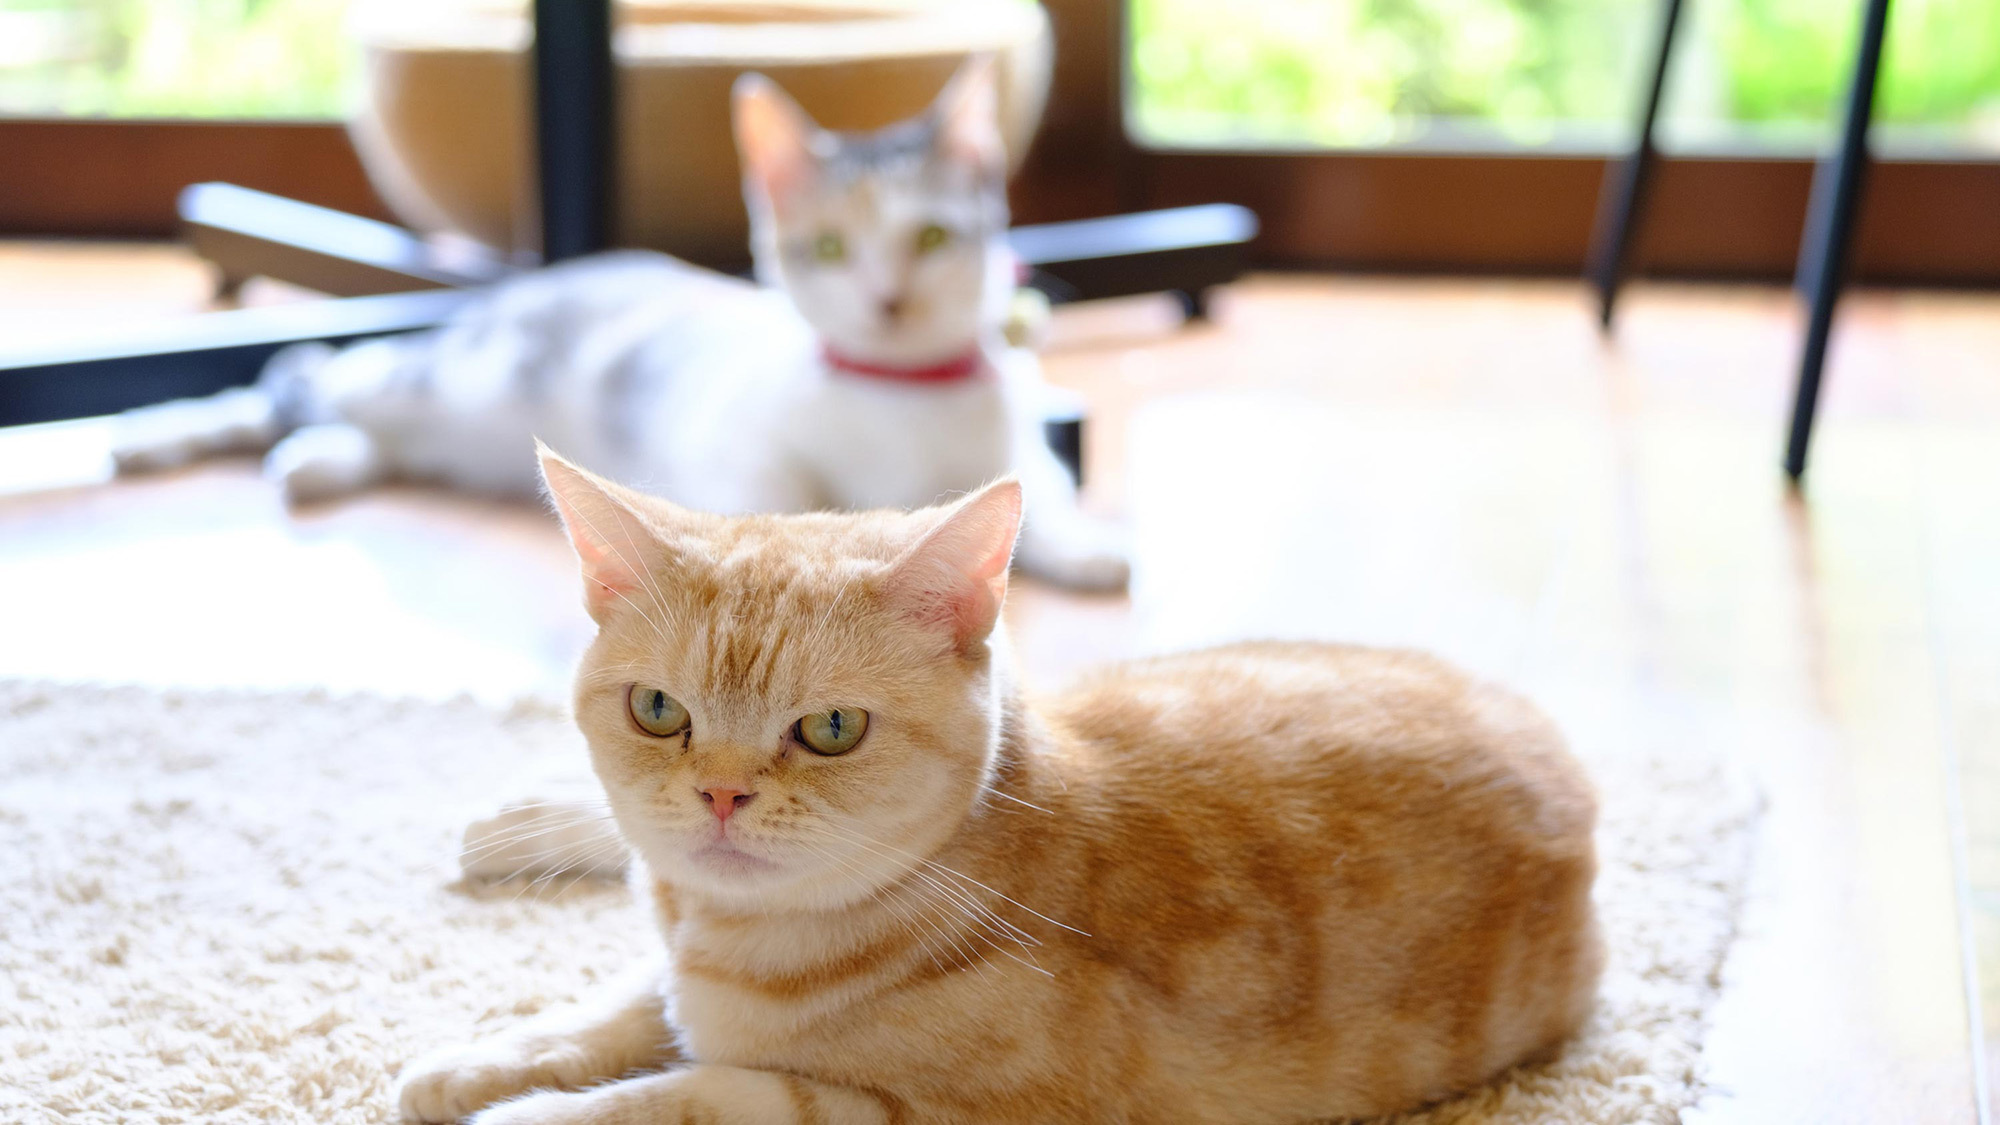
(120, 178)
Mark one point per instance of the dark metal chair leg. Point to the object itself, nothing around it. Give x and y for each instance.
(1622, 203)
(1062, 428)
(1829, 235)
(575, 125)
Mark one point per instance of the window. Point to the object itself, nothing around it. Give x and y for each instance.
(1748, 75)
(1377, 134)
(108, 108)
(1472, 134)
(174, 58)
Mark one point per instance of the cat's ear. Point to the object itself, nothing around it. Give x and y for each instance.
(617, 548)
(968, 112)
(955, 577)
(775, 139)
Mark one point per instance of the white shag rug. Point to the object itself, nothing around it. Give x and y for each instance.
(227, 908)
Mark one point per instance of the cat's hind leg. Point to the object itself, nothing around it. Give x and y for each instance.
(324, 461)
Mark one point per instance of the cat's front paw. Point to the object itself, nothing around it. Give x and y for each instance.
(540, 1109)
(450, 1084)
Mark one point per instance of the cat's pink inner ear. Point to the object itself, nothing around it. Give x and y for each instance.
(955, 577)
(613, 544)
(969, 111)
(774, 137)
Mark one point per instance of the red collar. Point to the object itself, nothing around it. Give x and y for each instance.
(962, 366)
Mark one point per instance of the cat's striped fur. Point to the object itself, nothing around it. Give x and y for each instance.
(1258, 884)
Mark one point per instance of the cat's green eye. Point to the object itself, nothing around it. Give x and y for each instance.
(832, 732)
(656, 712)
(931, 237)
(829, 247)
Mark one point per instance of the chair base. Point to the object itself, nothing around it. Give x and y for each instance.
(385, 280)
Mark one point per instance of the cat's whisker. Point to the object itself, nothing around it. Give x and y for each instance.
(645, 576)
(991, 925)
(936, 866)
(903, 916)
(982, 932)
(591, 858)
(499, 881)
(978, 911)
(577, 810)
(857, 869)
(540, 825)
(997, 792)
(974, 911)
(583, 863)
(487, 848)
(909, 914)
(960, 940)
(985, 915)
(826, 618)
(617, 679)
(658, 630)
(650, 621)
(906, 885)
(566, 802)
(608, 674)
(958, 894)
(598, 536)
(591, 852)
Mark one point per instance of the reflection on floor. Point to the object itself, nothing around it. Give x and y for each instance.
(1460, 465)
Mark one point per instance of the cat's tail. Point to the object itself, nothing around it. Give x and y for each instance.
(238, 420)
(544, 839)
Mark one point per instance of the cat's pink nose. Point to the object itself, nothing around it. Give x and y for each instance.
(723, 802)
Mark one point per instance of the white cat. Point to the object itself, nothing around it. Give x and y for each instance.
(868, 371)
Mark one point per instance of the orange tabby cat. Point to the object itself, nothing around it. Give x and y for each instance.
(1262, 883)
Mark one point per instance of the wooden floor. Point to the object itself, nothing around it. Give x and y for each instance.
(1463, 465)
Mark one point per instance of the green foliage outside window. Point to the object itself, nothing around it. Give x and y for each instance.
(175, 58)
(1285, 72)
(1363, 72)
